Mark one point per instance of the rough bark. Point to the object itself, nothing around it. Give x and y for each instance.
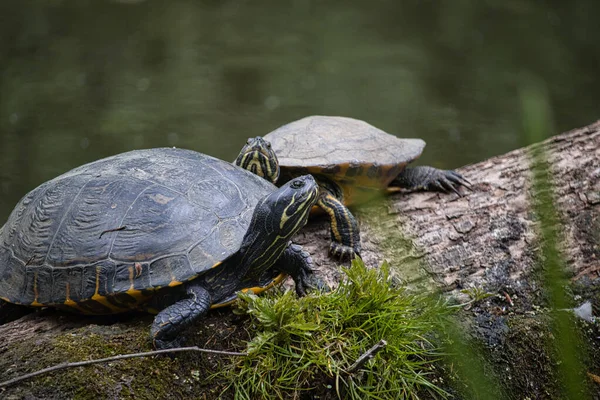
(486, 239)
(487, 236)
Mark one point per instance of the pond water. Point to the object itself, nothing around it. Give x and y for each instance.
(83, 79)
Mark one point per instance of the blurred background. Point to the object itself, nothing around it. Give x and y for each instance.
(83, 79)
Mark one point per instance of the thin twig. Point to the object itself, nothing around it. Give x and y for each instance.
(114, 358)
(367, 356)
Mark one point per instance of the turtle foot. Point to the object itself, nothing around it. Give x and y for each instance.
(343, 252)
(298, 264)
(431, 179)
(447, 181)
(160, 344)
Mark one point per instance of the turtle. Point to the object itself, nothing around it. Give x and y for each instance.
(352, 161)
(165, 230)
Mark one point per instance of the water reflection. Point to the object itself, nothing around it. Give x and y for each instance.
(80, 80)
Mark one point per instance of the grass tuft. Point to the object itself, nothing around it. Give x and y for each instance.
(308, 344)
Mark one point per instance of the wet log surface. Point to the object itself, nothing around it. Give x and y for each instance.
(485, 239)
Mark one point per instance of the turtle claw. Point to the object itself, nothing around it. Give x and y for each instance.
(458, 179)
(444, 184)
(430, 178)
(343, 252)
(446, 181)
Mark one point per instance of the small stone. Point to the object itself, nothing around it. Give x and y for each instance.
(452, 235)
(585, 312)
(593, 198)
(463, 226)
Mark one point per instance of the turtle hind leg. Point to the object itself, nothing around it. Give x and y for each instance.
(429, 178)
(345, 235)
(170, 322)
(11, 312)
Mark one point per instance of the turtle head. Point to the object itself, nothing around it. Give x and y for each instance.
(277, 217)
(258, 157)
(286, 210)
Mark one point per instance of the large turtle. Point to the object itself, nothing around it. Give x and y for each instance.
(352, 161)
(165, 229)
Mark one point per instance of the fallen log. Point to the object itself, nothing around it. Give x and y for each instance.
(484, 239)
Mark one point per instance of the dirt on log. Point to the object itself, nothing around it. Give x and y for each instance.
(484, 239)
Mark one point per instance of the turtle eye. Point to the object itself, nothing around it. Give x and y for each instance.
(297, 184)
(268, 145)
(249, 141)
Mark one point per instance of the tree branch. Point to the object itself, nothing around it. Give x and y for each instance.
(367, 356)
(114, 358)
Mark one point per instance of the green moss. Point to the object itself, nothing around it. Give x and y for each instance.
(407, 262)
(136, 378)
(308, 344)
(126, 379)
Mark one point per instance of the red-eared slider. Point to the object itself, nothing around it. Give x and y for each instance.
(352, 161)
(164, 229)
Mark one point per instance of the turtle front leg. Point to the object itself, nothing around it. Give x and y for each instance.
(429, 178)
(171, 321)
(345, 234)
(297, 263)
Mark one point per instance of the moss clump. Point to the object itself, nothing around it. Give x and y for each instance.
(122, 379)
(308, 344)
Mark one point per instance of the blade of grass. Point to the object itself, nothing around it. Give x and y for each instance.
(536, 120)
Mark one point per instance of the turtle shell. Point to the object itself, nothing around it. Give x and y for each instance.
(102, 237)
(346, 150)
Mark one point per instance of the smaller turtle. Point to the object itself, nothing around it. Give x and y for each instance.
(352, 161)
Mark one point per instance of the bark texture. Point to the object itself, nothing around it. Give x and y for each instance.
(486, 238)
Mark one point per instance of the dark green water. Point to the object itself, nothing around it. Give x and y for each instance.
(81, 80)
